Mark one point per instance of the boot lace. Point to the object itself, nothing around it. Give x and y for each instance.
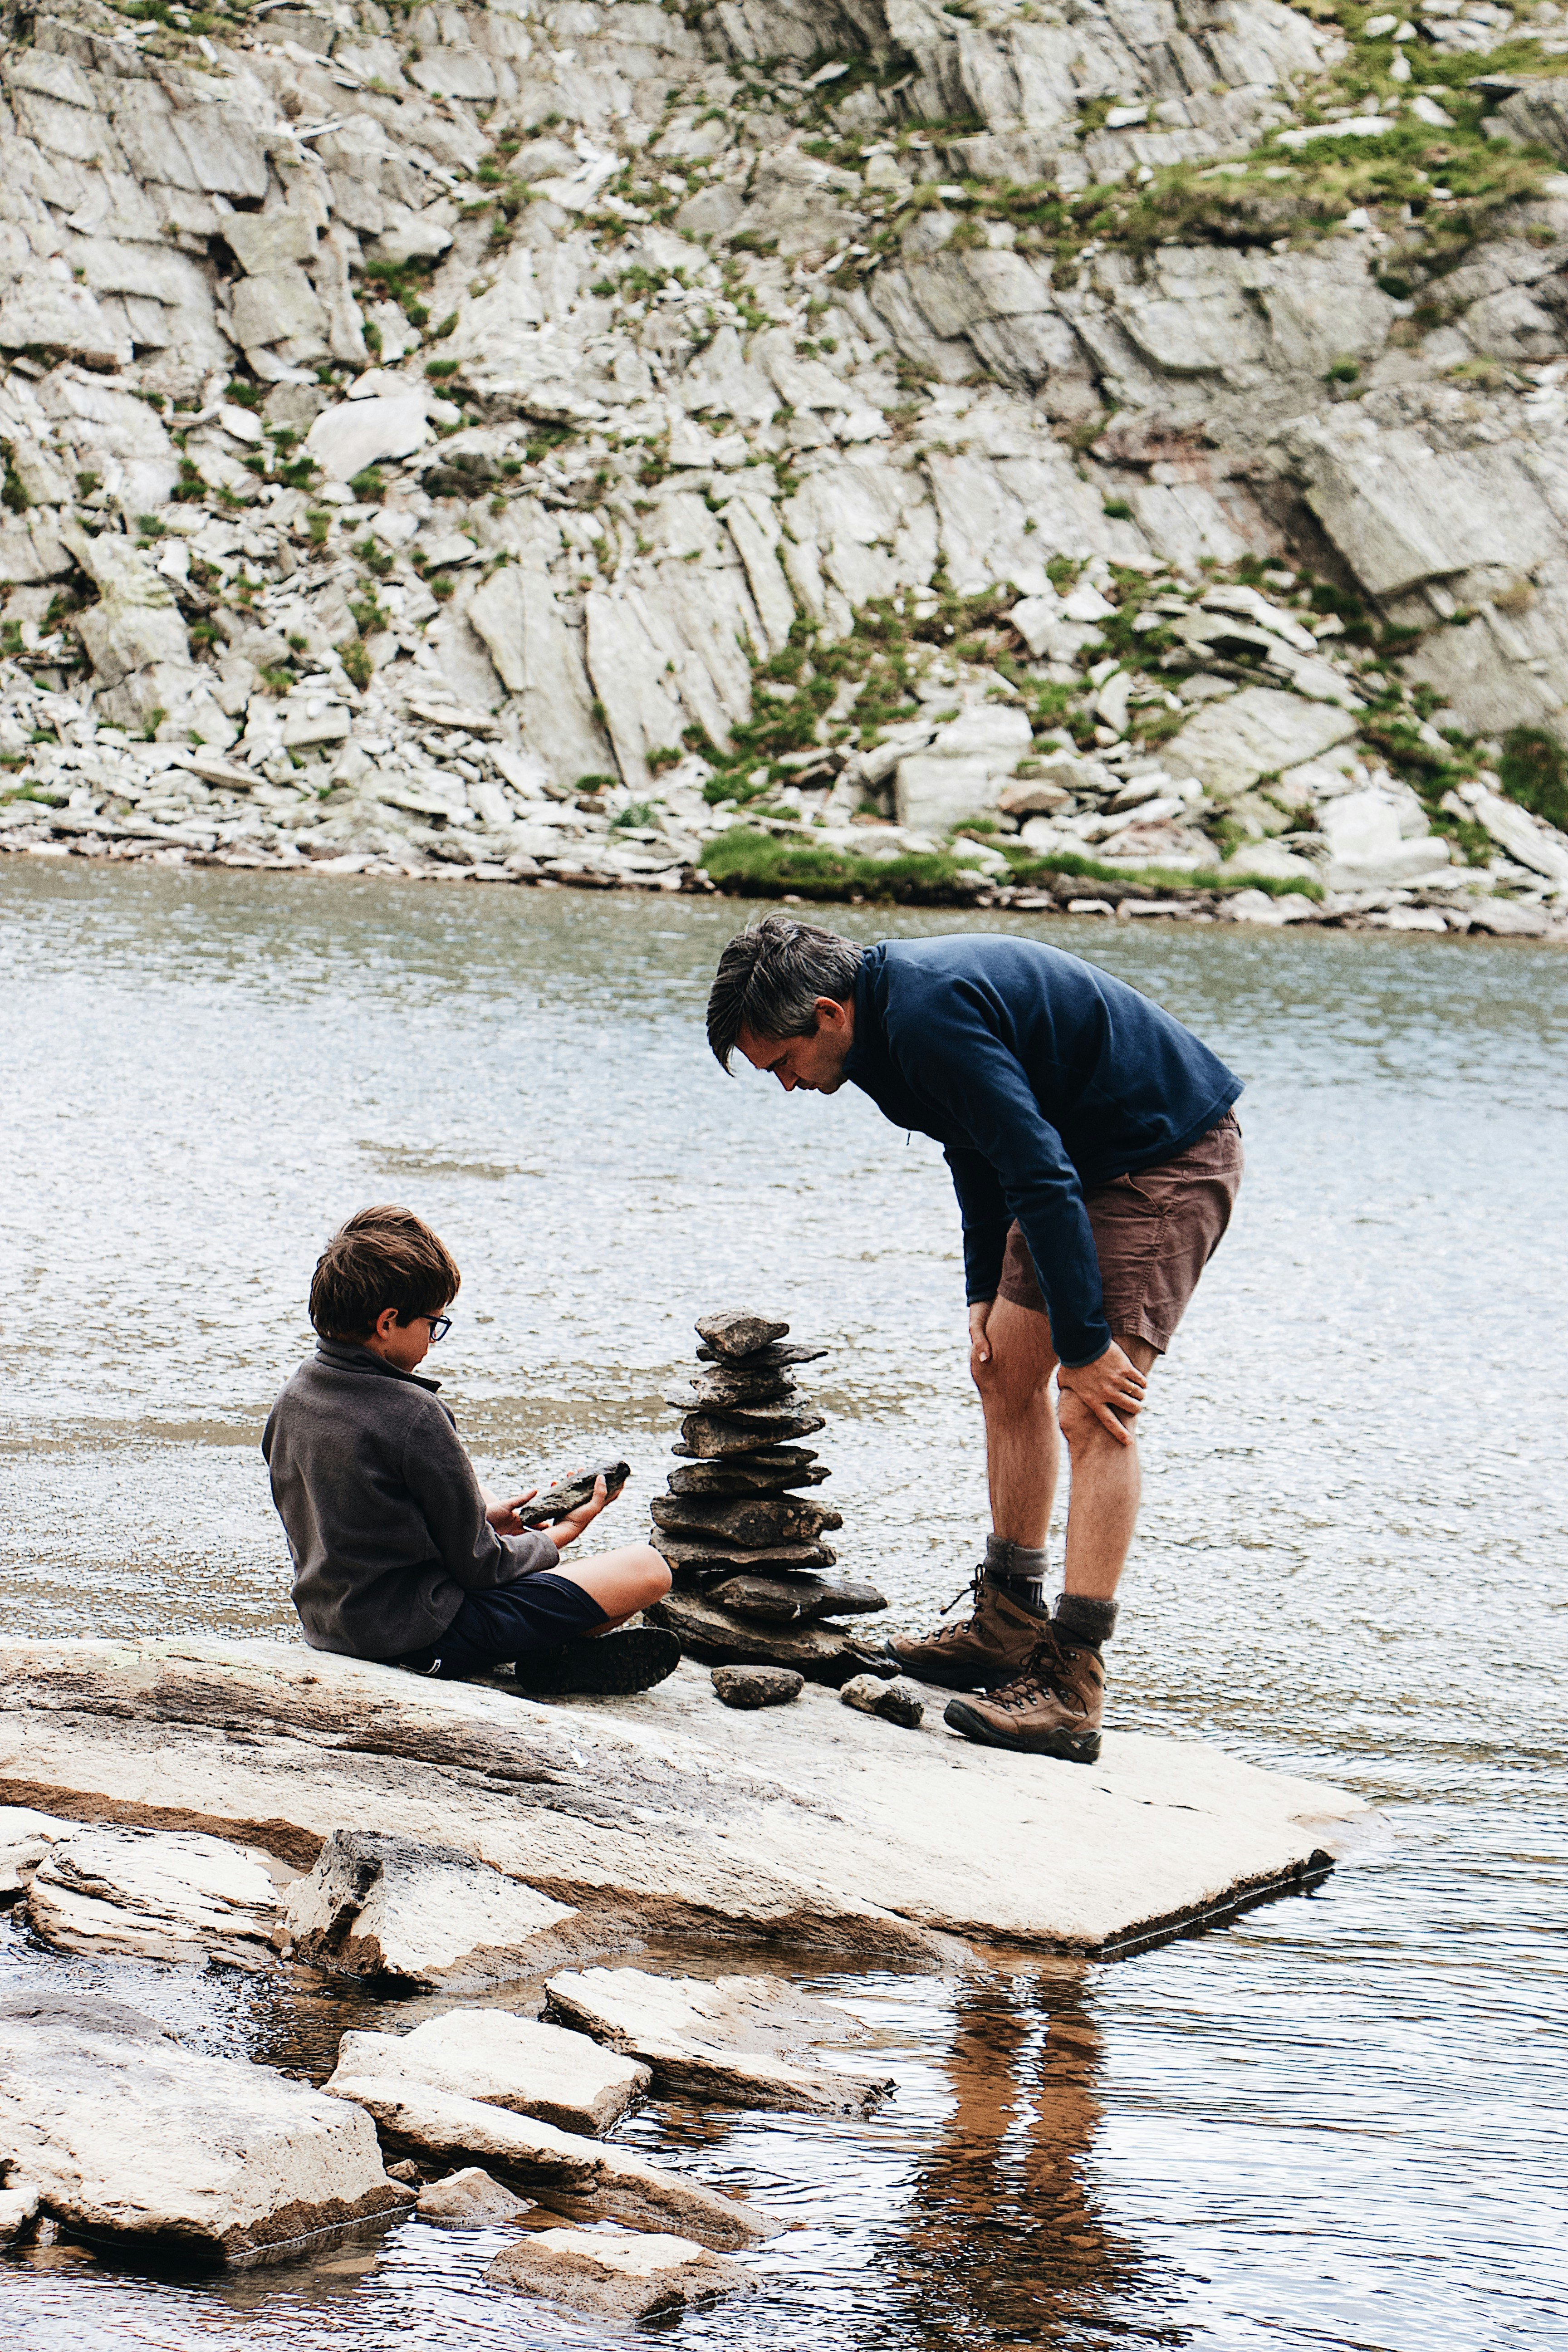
(1044, 1672)
(956, 1632)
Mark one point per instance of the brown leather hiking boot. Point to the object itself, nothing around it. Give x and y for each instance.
(992, 1647)
(1053, 1709)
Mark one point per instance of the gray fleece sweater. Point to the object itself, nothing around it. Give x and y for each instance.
(383, 1515)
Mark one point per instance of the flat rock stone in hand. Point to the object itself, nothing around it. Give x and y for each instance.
(571, 1493)
(737, 1331)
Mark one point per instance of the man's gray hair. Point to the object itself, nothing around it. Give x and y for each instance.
(768, 980)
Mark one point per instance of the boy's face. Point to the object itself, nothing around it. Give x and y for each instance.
(405, 1345)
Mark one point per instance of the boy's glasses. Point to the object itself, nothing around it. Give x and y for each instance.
(440, 1325)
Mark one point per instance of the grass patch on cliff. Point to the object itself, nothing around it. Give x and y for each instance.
(749, 862)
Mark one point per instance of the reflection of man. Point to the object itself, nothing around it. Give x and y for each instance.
(1096, 1160)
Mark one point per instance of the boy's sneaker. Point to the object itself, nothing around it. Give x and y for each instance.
(990, 1647)
(601, 1665)
(1054, 1708)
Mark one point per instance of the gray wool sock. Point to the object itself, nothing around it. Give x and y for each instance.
(1017, 1569)
(1086, 1623)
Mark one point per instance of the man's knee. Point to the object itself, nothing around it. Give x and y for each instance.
(1017, 1369)
(1081, 1426)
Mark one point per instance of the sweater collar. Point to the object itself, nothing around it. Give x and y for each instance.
(348, 1356)
(867, 1050)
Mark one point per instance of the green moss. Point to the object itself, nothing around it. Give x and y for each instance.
(1534, 773)
(766, 866)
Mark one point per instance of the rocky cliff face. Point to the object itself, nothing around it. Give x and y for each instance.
(538, 439)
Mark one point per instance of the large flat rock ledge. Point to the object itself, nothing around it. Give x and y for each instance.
(811, 1824)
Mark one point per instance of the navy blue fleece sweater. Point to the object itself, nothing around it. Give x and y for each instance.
(1039, 1075)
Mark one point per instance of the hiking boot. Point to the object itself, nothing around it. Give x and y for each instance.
(1052, 1710)
(600, 1665)
(990, 1647)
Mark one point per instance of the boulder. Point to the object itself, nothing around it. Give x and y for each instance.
(737, 2040)
(384, 1906)
(469, 2200)
(504, 2060)
(1229, 745)
(898, 1701)
(127, 2135)
(153, 1895)
(749, 1686)
(359, 433)
(587, 2179)
(622, 2275)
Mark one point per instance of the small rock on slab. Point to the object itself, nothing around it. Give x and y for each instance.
(749, 1686)
(153, 1895)
(587, 2180)
(625, 2276)
(823, 1654)
(739, 2040)
(504, 2060)
(792, 1599)
(736, 1331)
(126, 2134)
(898, 1701)
(381, 1906)
(469, 2200)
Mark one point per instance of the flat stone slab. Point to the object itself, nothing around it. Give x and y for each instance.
(726, 1387)
(739, 2040)
(377, 1905)
(748, 1429)
(795, 1599)
(25, 1837)
(808, 1823)
(703, 1555)
(748, 1474)
(469, 2200)
(587, 2180)
(751, 1521)
(623, 2275)
(125, 2134)
(153, 1895)
(504, 2060)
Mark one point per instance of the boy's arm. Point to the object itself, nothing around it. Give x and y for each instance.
(440, 1477)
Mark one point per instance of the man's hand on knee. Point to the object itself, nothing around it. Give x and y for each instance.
(979, 1345)
(1112, 1388)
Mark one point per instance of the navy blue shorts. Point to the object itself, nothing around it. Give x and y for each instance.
(490, 1629)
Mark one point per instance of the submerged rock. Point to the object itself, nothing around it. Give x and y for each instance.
(153, 1895)
(127, 2135)
(503, 2060)
(740, 2040)
(587, 2179)
(626, 2276)
(749, 1686)
(379, 1905)
(469, 2200)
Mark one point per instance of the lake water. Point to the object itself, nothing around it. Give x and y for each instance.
(1337, 2122)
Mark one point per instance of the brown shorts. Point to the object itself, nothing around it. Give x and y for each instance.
(1154, 1231)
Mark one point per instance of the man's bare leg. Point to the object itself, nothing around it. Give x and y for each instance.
(1012, 1369)
(621, 1581)
(1103, 1501)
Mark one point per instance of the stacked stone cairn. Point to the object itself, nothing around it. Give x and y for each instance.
(755, 1583)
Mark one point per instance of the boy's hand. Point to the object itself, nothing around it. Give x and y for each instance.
(503, 1517)
(567, 1530)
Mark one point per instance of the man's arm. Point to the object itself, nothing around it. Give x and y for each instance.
(440, 1477)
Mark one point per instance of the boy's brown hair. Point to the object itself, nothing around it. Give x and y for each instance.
(383, 1257)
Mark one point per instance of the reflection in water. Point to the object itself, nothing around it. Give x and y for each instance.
(1338, 2123)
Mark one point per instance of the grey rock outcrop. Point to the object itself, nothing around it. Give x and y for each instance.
(125, 2134)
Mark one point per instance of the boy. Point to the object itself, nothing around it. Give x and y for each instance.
(399, 1553)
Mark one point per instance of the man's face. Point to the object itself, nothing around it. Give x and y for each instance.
(816, 1063)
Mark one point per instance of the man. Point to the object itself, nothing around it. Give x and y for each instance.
(1096, 1158)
